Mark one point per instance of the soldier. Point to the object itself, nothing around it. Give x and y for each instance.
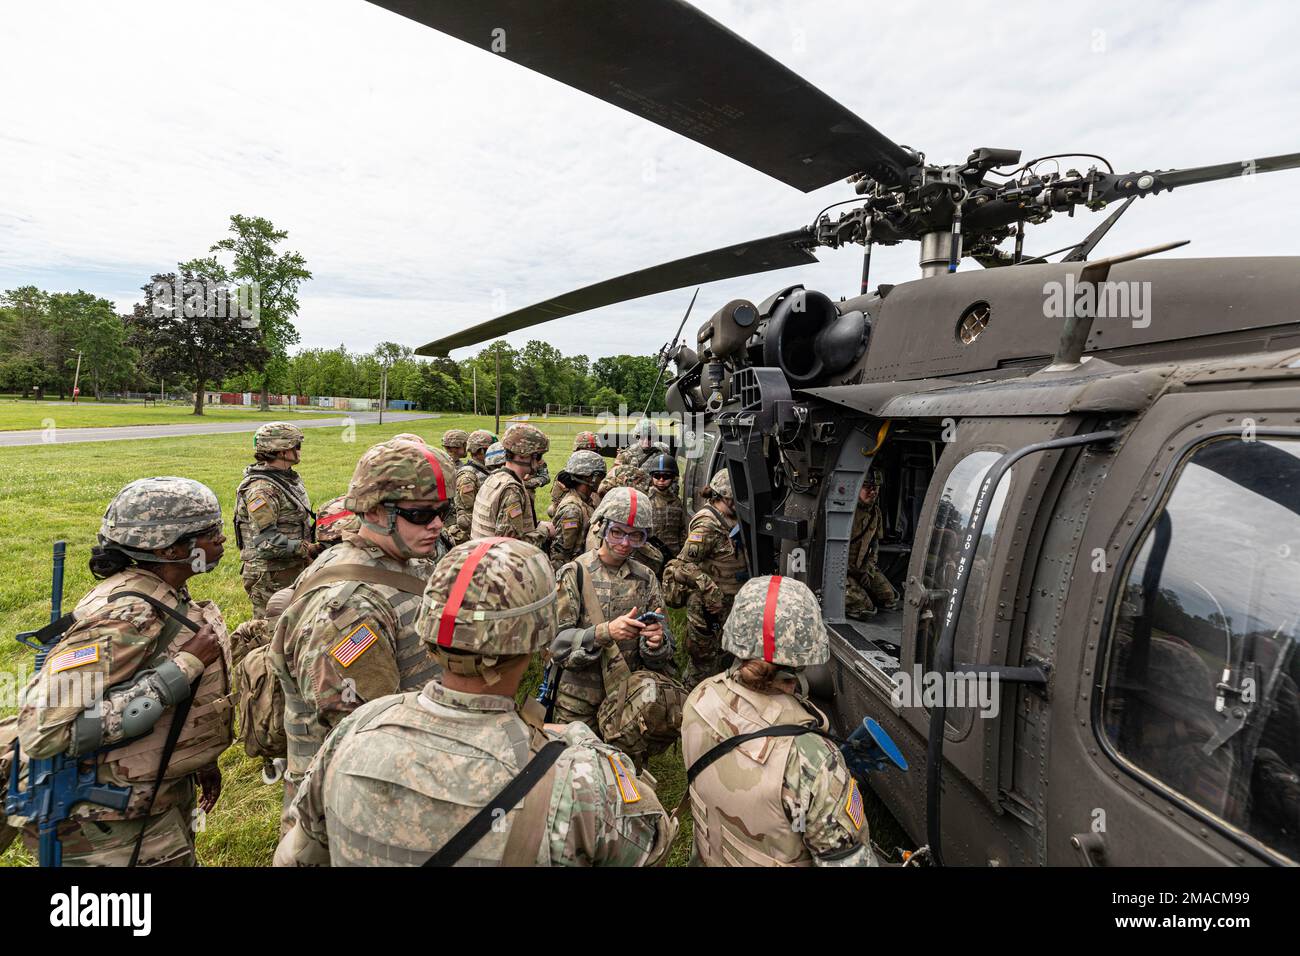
(627, 476)
(712, 568)
(586, 441)
(640, 449)
(866, 587)
(469, 478)
(494, 458)
(504, 508)
(126, 671)
(419, 774)
(786, 800)
(349, 636)
(454, 442)
(273, 517)
(601, 594)
(669, 512)
(581, 475)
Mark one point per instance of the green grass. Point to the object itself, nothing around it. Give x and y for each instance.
(20, 415)
(54, 492)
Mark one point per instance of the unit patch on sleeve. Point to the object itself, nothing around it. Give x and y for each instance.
(354, 645)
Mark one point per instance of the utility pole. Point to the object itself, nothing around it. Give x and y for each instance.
(475, 370)
(383, 390)
(76, 378)
(497, 431)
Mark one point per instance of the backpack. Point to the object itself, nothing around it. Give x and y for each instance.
(261, 705)
(643, 714)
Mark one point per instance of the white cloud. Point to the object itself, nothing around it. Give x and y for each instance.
(420, 176)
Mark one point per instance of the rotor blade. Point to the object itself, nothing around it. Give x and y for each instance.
(1144, 183)
(1080, 252)
(669, 63)
(746, 258)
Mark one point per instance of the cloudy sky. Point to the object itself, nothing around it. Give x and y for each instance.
(431, 185)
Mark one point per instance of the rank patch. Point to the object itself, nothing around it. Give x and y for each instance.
(854, 805)
(77, 657)
(626, 780)
(354, 645)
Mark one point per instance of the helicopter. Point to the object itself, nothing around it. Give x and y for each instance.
(1093, 519)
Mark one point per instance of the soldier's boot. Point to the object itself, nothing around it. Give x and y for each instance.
(857, 602)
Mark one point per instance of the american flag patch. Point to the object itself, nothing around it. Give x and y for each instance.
(571, 523)
(854, 805)
(626, 780)
(256, 503)
(515, 511)
(78, 657)
(354, 645)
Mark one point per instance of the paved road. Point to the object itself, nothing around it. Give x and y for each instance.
(39, 436)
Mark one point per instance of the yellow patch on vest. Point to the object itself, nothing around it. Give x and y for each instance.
(77, 657)
(627, 788)
(853, 807)
(355, 644)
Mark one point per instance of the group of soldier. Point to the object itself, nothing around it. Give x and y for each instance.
(392, 630)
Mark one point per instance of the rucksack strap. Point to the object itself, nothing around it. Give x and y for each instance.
(731, 743)
(518, 788)
(338, 573)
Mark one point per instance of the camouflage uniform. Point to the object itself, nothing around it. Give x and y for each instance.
(584, 647)
(454, 443)
(402, 775)
(121, 652)
(347, 642)
(469, 479)
(866, 586)
(572, 512)
(713, 567)
(628, 476)
(773, 801)
(504, 507)
(273, 519)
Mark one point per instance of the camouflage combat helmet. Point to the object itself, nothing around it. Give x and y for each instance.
(586, 464)
(643, 714)
(661, 464)
(478, 441)
(626, 476)
(455, 438)
(776, 619)
(525, 440)
(645, 428)
(397, 470)
(720, 485)
(277, 436)
(408, 436)
(154, 513)
(495, 456)
(489, 598)
(333, 519)
(585, 441)
(626, 506)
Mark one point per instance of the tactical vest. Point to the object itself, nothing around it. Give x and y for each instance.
(736, 801)
(486, 503)
(727, 566)
(208, 727)
(297, 523)
(384, 811)
(574, 503)
(668, 521)
(611, 606)
(415, 665)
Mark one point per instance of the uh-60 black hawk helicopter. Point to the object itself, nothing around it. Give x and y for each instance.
(1095, 515)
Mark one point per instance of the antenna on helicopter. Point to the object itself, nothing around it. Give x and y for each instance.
(665, 352)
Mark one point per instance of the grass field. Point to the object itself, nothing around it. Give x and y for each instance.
(54, 492)
(20, 415)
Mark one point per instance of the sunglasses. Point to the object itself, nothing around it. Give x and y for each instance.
(424, 516)
(621, 536)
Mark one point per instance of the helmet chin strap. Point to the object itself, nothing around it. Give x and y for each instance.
(390, 532)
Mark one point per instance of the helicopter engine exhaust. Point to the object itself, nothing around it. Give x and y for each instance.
(808, 339)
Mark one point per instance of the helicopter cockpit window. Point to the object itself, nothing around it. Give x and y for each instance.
(1202, 678)
(953, 514)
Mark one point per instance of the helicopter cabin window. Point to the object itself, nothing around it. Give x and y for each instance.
(951, 517)
(1202, 677)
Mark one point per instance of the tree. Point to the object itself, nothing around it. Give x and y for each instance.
(99, 334)
(193, 345)
(275, 275)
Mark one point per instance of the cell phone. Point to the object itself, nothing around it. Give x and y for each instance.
(650, 617)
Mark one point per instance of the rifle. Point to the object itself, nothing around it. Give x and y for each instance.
(56, 784)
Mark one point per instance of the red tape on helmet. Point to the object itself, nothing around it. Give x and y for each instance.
(631, 518)
(447, 623)
(769, 618)
(437, 473)
(328, 520)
